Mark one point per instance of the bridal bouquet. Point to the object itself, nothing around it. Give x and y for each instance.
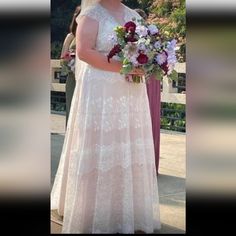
(68, 62)
(141, 46)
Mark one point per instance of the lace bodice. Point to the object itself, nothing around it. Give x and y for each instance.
(107, 23)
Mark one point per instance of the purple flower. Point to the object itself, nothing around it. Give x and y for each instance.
(133, 60)
(161, 58)
(171, 45)
(142, 31)
(153, 29)
(142, 47)
(171, 59)
(157, 45)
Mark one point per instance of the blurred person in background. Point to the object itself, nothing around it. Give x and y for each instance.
(69, 43)
(154, 96)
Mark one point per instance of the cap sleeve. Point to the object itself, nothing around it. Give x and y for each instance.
(92, 12)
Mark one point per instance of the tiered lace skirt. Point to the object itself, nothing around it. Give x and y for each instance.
(106, 181)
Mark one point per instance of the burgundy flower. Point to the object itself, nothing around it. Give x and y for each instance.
(115, 50)
(130, 27)
(131, 39)
(142, 58)
(164, 67)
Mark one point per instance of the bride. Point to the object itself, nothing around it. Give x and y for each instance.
(106, 180)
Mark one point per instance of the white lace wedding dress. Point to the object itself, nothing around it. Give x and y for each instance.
(106, 181)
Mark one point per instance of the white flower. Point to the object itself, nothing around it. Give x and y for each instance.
(141, 40)
(130, 50)
(153, 29)
(177, 48)
(161, 58)
(71, 63)
(147, 42)
(142, 31)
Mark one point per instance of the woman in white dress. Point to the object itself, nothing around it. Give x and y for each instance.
(106, 180)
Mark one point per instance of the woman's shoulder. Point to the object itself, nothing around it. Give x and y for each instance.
(93, 12)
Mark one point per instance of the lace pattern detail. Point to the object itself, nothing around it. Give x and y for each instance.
(106, 157)
(115, 204)
(92, 12)
(106, 24)
(106, 181)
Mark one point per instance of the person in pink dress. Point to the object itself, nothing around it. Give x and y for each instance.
(154, 96)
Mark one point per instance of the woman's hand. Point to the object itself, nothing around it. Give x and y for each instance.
(135, 75)
(137, 71)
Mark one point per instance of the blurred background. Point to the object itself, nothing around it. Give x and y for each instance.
(25, 105)
(24, 115)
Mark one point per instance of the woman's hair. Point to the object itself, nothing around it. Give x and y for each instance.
(142, 13)
(73, 24)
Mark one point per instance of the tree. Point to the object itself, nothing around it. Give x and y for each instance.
(170, 16)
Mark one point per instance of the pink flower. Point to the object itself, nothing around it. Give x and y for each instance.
(142, 31)
(66, 56)
(142, 58)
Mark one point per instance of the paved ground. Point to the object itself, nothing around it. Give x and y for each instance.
(171, 180)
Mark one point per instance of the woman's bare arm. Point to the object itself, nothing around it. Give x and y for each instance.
(86, 35)
(66, 44)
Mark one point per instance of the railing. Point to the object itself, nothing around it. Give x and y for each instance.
(173, 100)
(170, 89)
(172, 92)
